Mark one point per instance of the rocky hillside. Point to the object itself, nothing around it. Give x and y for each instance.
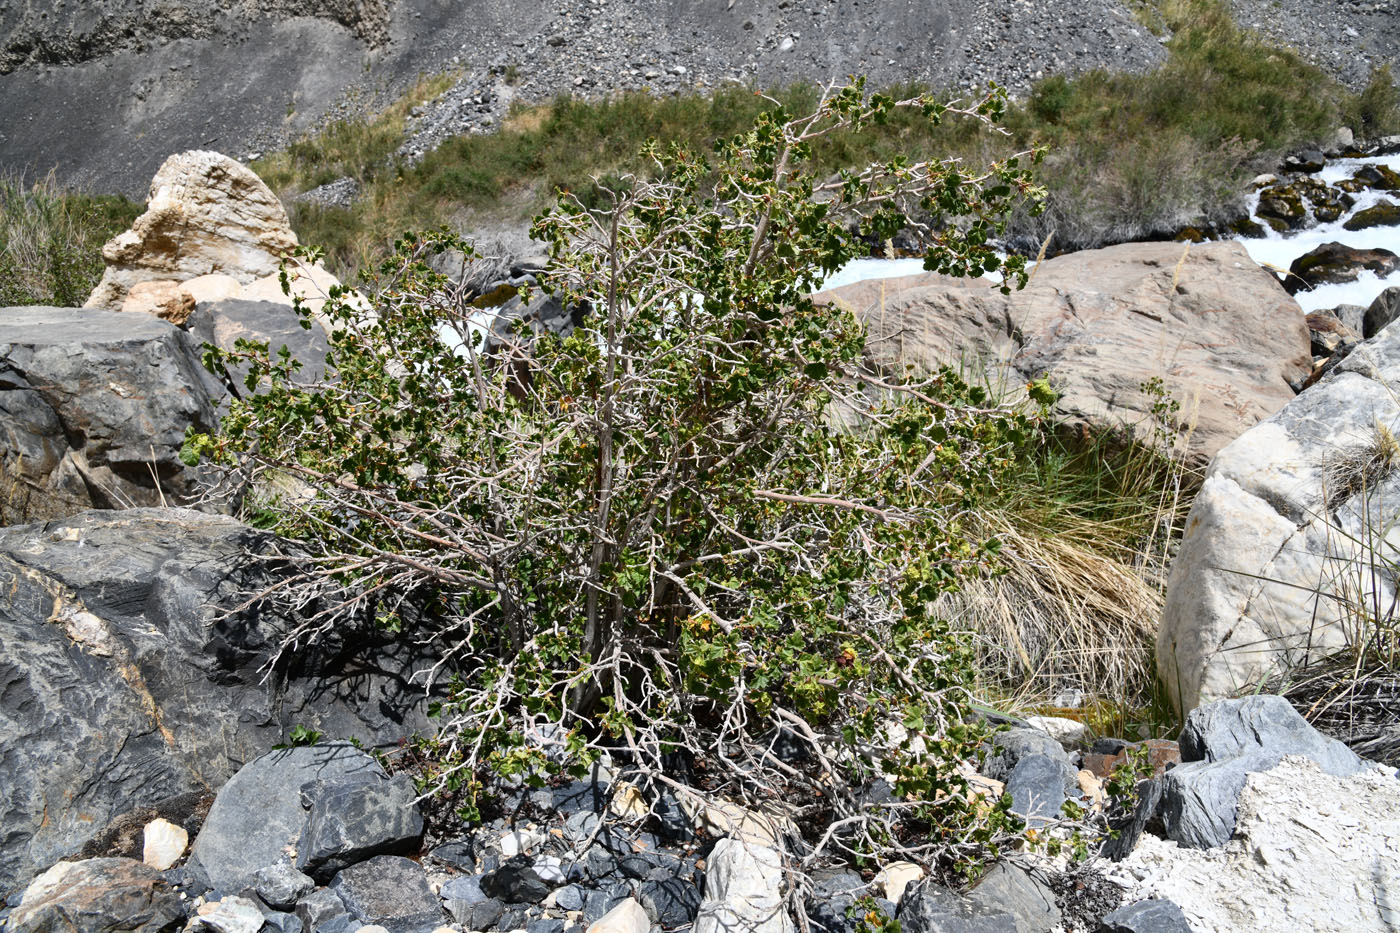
(135, 80)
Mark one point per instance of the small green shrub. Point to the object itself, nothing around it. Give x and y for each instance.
(651, 538)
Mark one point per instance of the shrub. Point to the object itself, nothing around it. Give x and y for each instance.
(652, 538)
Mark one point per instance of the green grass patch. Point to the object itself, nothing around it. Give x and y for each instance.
(51, 240)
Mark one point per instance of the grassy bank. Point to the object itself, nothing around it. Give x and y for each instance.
(1131, 156)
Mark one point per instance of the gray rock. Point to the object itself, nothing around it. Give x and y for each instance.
(351, 822)
(390, 891)
(545, 925)
(281, 922)
(257, 815)
(481, 915)
(1039, 785)
(744, 890)
(1154, 916)
(569, 897)
(223, 323)
(1010, 746)
(280, 885)
(515, 884)
(105, 895)
(1129, 830)
(96, 405)
(1011, 888)
(465, 889)
(318, 907)
(460, 855)
(1231, 728)
(1223, 742)
(927, 907)
(127, 681)
(669, 903)
(1381, 312)
(601, 900)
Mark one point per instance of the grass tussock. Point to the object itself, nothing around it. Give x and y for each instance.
(51, 240)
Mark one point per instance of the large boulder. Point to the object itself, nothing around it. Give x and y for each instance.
(94, 407)
(743, 890)
(1291, 536)
(102, 895)
(1221, 334)
(206, 213)
(130, 674)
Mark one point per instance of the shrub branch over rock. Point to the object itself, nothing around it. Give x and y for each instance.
(694, 524)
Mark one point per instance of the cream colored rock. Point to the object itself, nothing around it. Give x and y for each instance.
(312, 284)
(1278, 542)
(1091, 787)
(164, 299)
(897, 876)
(1068, 732)
(206, 214)
(727, 819)
(627, 917)
(628, 803)
(163, 844)
(1221, 334)
(216, 286)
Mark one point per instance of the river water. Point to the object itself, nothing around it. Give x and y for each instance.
(1274, 250)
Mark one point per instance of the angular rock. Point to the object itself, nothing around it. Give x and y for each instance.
(1334, 262)
(257, 816)
(669, 902)
(1384, 309)
(166, 300)
(1130, 829)
(515, 884)
(1310, 852)
(1039, 785)
(1222, 744)
(466, 888)
(1280, 539)
(163, 843)
(230, 914)
(127, 680)
(602, 900)
(224, 323)
(95, 407)
(1095, 322)
(281, 886)
(626, 917)
(1011, 745)
(1012, 889)
(930, 908)
(896, 877)
(743, 890)
(1068, 732)
(391, 891)
(1151, 916)
(106, 895)
(206, 213)
(1378, 177)
(481, 915)
(318, 908)
(351, 821)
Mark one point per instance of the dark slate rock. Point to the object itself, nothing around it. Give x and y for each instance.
(601, 900)
(673, 824)
(1009, 747)
(1382, 311)
(177, 701)
(354, 821)
(515, 917)
(1149, 801)
(340, 923)
(258, 813)
(466, 888)
(191, 883)
(280, 922)
(103, 895)
(311, 791)
(569, 897)
(545, 925)
(1307, 161)
(318, 907)
(460, 855)
(1155, 916)
(589, 796)
(1039, 785)
(93, 402)
(1228, 728)
(515, 884)
(482, 915)
(280, 886)
(638, 865)
(928, 907)
(788, 746)
(391, 891)
(670, 903)
(1011, 888)
(1221, 744)
(223, 323)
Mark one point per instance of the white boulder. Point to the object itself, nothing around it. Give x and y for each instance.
(1294, 527)
(743, 890)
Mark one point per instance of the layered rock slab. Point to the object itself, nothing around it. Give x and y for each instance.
(1223, 336)
(94, 407)
(125, 679)
(1292, 534)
